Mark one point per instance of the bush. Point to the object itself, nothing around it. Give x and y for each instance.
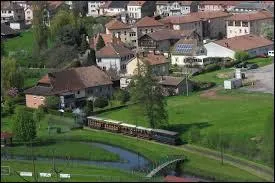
(241, 56)
(212, 67)
(9, 106)
(197, 86)
(58, 130)
(101, 102)
(52, 102)
(122, 96)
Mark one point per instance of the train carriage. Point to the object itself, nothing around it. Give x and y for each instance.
(112, 125)
(95, 122)
(145, 133)
(128, 129)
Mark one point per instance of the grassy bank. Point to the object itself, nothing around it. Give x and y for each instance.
(64, 150)
(78, 173)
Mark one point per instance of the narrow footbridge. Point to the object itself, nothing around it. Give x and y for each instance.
(165, 164)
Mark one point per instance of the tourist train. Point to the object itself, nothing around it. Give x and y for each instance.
(159, 135)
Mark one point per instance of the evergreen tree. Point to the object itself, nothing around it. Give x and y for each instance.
(100, 43)
(148, 94)
(91, 60)
(84, 45)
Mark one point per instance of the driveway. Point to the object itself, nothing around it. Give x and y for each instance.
(263, 77)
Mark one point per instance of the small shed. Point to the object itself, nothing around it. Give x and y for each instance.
(232, 83)
(6, 139)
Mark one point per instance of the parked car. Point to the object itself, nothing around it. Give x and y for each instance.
(241, 65)
(271, 53)
(251, 66)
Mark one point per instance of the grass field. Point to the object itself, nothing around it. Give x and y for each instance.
(239, 114)
(26, 41)
(78, 173)
(64, 149)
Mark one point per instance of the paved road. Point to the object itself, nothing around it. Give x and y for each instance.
(264, 77)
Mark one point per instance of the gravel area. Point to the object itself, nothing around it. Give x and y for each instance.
(263, 77)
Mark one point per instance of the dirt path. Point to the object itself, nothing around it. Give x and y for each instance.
(254, 168)
(212, 94)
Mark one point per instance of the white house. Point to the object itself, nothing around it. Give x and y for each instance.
(139, 9)
(112, 8)
(171, 8)
(113, 56)
(186, 50)
(12, 12)
(28, 15)
(93, 7)
(252, 44)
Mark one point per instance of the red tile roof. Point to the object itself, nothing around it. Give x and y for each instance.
(244, 43)
(259, 15)
(223, 3)
(136, 3)
(195, 17)
(45, 80)
(147, 22)
(170, 34)
(153, 59)
(108, 38)
(113, 51)
(170, 178)
(116, 24)
(72, 80)
(181, 2)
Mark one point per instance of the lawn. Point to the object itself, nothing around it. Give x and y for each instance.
(261, 61)
(64, 150)
(25, 39)
(78, 173)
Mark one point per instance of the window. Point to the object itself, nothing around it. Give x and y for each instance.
(240, 30)
(78, 92)
(41, 98)
(34, 97)
(245, 31)
(230, 31)
(28, 12)
(146, 30)
(151, 30)
(9, 11)
(244, 24)
(125, 33)
(104, 68)
(237, 23)
(99, 60)
(230, 23)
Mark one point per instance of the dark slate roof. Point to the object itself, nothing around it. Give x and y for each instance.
(249, 5)
(6, 30)
(11, 6)
(39, 90)
(170, 34)
(169, 80)
(118, 4)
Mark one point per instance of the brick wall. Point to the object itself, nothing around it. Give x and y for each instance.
(34, 101)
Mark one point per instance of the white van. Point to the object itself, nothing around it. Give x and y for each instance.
(271, 53)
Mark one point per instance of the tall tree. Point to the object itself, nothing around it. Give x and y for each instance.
(267, 30)
(11, 74)
(24, 126)
(80, 8)
(68, 35)
(40, 30)
(100, 43)
(148, 95)
(91, 60)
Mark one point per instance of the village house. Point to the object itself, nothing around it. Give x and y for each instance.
(246, 7)
(207, 24)
(174, 85)
(12, 12)
(73, 86)
(28, 15)
(129, 34)
(7, 32)
(248, 23)
(252, 44)
(162, 40)
(93, 7)
(112, 8)
(217, 5)
(175, 8)
(113, 56)
(70, 4)
(139, 9)
(107, 38)
(188, 51)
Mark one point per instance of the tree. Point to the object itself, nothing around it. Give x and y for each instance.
(89, 107)
(148, 95)
(122, 96)
(24, 126)
(267, 30)
(98, 28)
(91, 60)
(11, 75)
(68, 35)
(8, 107)
(100, 102)
(52, 102)
(80, 8)
(61, 19)
(241, 56)
(38, 115)
(40, 30)
(84, 45)
(100, 43)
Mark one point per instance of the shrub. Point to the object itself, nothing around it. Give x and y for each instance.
(52, 102)
(241, 56)
(58, 130)
(101, 102)
(212, 67)
(197, 86)
(9, 106)
(122, 96)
